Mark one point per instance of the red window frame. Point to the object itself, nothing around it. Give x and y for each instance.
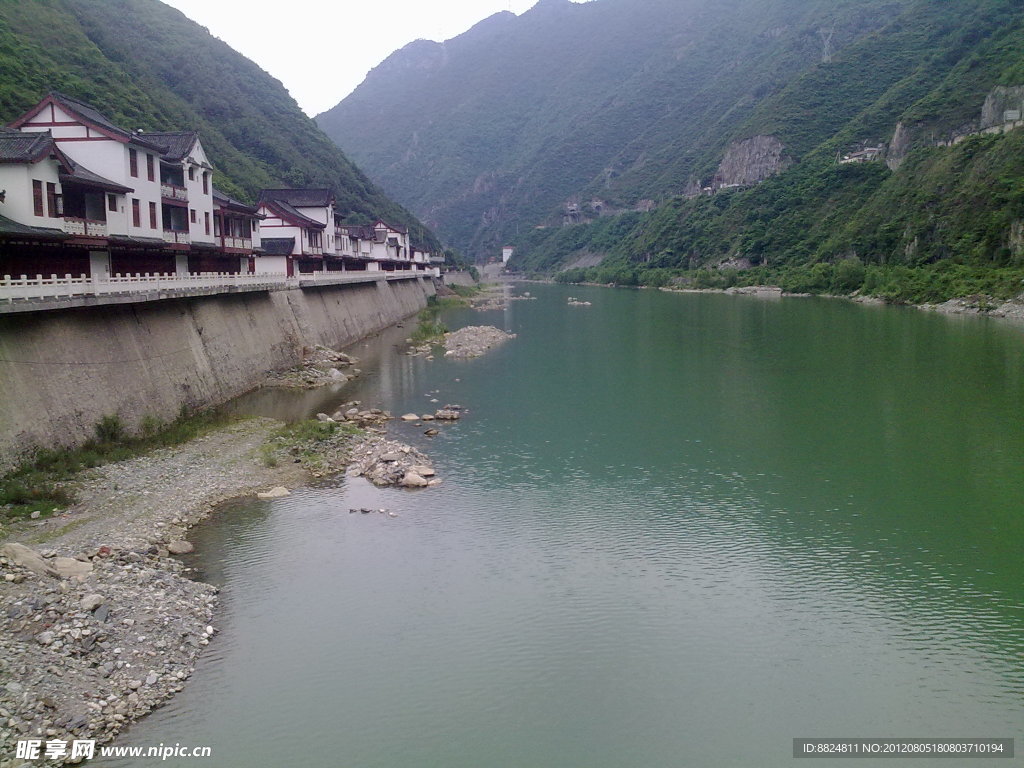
(51, 199)
(37, 198)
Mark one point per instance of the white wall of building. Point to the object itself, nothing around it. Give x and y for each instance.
(110, 159)
(201, 230)
(272, 265)
(18, 203)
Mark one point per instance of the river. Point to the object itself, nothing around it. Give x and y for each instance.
(674, 530)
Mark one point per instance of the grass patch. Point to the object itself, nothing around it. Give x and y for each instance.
(466, 291)
(430, 328)
(320, 446)
(39, 484)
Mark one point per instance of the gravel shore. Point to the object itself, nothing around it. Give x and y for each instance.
(99, 623)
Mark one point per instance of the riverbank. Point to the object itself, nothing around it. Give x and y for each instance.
(104, 624)
(100, 622)
(981, 305)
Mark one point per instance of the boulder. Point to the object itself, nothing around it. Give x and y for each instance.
(90, 603)
(422, 470)
(274, 493)
(413, 480)
(410, 417)
(70, 568)
(180, 547)
(27, 557)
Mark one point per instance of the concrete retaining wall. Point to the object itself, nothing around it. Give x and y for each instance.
(62, 371)
(458, 278)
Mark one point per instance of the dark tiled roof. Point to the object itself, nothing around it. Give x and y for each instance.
(90, 114)
(360, 233)
(399, 230)
(277, 246)
(178, 143)
(18, 147)
(9, 227)
(229, 203)
(299, 198)
(289, 214)
(79, 174)
(124, 240)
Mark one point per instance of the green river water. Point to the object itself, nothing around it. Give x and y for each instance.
(674, 530)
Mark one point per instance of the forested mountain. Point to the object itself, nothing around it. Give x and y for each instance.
(621, 100)
(147, 66)
(717, 128)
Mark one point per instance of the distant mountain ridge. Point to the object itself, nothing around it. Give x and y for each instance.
(615, 100)
(147, 66)
(855, 145)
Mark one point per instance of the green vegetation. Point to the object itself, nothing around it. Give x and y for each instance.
(940, 227)
(466, 291)
(583, 104)
(430, 328)
(147, 66)
(320, 446)
(897, 284)
(41, 484)
(618, 101)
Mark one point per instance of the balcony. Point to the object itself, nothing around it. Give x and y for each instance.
(85, 227)
(244, 243)
(174, 192)
(313, 250)
(174, 236)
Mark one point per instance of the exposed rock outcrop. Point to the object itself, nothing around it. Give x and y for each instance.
(751, 161)
(1003, 104)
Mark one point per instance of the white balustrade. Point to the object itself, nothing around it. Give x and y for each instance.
(56, 286)
(174, 192)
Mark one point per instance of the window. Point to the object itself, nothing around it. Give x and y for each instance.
(37, 198)
(152, 215)
(51, 200)
(133, 162)
(112, 203)
(136, 213)
(149, 168)
(207, 217)
(206, 183)
(192, 215)
(191, 173)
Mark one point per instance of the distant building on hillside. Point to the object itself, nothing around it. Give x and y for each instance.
(506, 253)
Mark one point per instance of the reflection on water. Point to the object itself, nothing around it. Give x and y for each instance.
(674, 530)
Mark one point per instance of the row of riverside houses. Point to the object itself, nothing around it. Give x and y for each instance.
(81, 196)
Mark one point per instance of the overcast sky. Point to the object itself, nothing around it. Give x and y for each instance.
(321, 50)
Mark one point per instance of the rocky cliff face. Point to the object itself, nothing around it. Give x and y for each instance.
(1001, 100)
(899, 146)
(751, 161)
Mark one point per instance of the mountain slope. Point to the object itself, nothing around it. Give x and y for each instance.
(937, 222)
(619, 100)
(148, 66)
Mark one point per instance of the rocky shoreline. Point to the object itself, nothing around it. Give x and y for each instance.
(100, 623)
